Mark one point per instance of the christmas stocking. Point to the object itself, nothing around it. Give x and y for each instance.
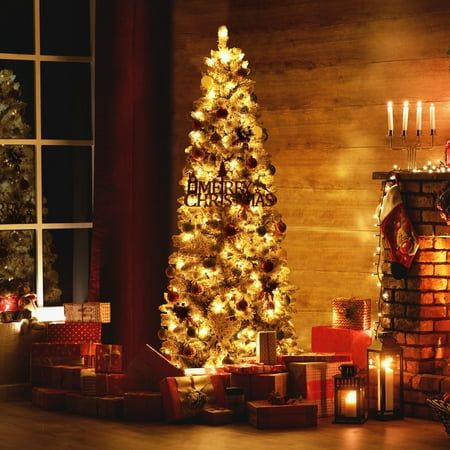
(397, 230)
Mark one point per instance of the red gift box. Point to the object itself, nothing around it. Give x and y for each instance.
(316, 357)
(49, 399)
(110, 384)
(252, 368)
(217, 416)
(74, 332)
(79, 404)
(110, 407)
(314, 381)
(143, 406)
(185, 397)
(148, 368)
(108, 358)
(65, 377)
(48, 353)
(262, 385)
(341, 340)
(262, 414)
(10, 302)
(41, 375)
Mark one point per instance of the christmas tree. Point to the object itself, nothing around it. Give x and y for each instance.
(228, 274)
(17, 200)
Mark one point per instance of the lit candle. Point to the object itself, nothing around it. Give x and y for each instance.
(350, 404)
(432, 117)
(405, 117)
(388, 384)
(390, 112)
(419, 117)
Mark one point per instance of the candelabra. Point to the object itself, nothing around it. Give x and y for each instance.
(413, 144)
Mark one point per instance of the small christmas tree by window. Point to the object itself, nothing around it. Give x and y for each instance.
(18, 204)
(228, 273)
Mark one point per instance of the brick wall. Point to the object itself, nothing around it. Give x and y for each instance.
(418, 307)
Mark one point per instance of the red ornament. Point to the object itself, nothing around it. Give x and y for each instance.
(251, 162)
(195, 288)
(222, 113)
(280, 227)
(230, 230)
(173, 296)
(267, 266)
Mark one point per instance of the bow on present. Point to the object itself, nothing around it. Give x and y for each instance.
(194, 393)
(111, 356)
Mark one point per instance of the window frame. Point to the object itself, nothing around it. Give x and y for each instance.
(38, 142)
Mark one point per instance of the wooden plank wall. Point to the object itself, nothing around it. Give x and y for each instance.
(324, 71)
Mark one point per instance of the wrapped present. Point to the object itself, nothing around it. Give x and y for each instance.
(143, 406)
(266, 347)
(148, 368)
(314, 381)
(110, 407)
(352, 313)
(217, 416)
(262, 414)
(186, 397)
(88, 382)
(251, 368)
(342, 340)
(41, 375)
(110, 384)
(10, 302)
(74, 332)
(88, 350)
(262, 385)
(108, 358)
(88, 312)
(65, 377)
(315, 357)
(49, 399)
(53, 353)
(80, 404)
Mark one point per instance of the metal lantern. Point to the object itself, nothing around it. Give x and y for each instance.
(349, 398)
(385, 378)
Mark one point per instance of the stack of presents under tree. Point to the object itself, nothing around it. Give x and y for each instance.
(74, 372)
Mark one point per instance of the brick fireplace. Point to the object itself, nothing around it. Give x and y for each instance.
(418, 307)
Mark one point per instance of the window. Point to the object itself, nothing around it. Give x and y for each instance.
(46, 147)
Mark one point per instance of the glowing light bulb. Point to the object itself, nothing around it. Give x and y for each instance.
(222, 33)
(224, 55)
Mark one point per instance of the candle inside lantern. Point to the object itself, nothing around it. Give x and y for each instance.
(350, 404)
(390, 112)
(388, 384)
(419, 117)
(405, 117)
(432, 117)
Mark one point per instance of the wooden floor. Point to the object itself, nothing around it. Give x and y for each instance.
(24, 427)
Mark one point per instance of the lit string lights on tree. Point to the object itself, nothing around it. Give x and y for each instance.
(17, 202)
(228, 273)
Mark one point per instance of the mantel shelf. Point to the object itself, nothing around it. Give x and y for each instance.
(407, 175)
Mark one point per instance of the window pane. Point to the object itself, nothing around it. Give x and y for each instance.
(16, 99)
(66, 265)
(66, 100)
(16, 26)
(65, 27)
(17, 184)
(17, 261)
(66, 184)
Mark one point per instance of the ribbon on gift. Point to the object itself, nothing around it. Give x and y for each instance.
(195, 393)
(9, 302)
(111, 355)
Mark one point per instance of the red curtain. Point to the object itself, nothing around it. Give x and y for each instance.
(132, 167)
